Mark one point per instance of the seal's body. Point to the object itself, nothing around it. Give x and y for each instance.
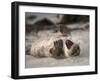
(55, 47)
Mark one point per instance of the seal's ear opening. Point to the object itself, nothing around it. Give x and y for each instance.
(69, 43)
